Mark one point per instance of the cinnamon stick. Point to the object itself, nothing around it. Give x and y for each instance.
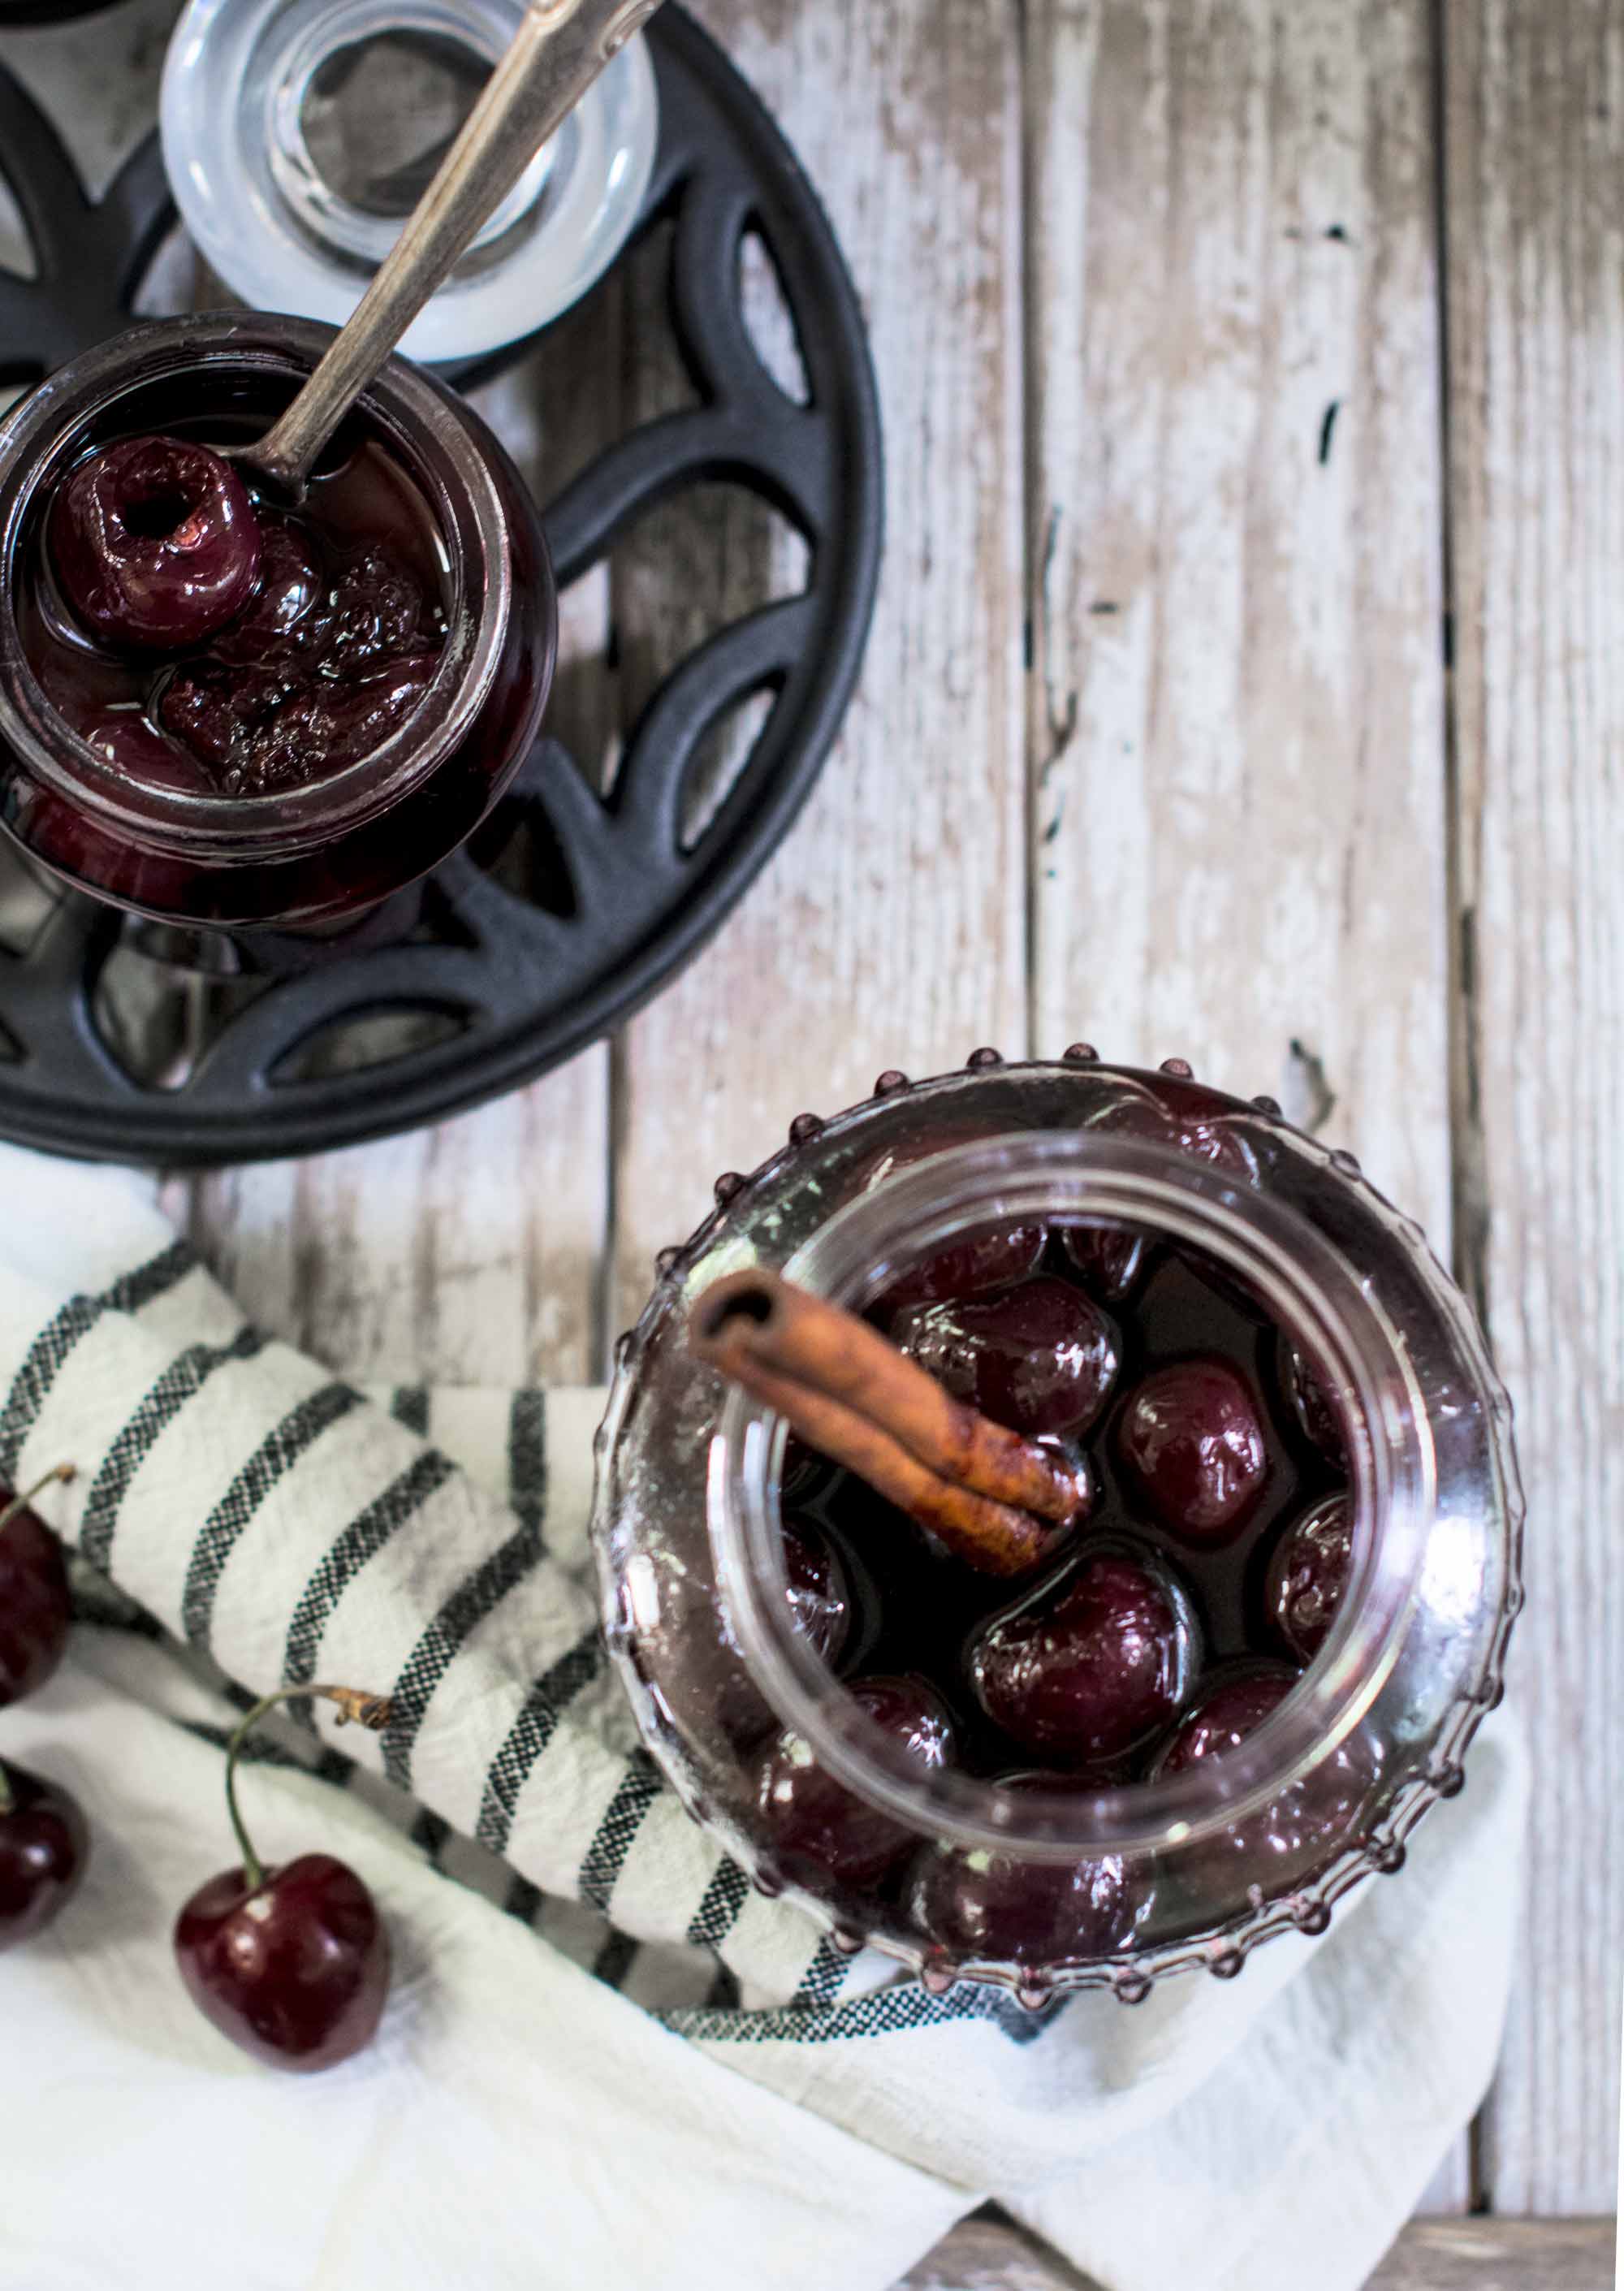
(994, 1498)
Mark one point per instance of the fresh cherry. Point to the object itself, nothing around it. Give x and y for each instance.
(989, 1260)
(292, 1967)
(1092, 1664)
(1039, 1357)
(1190, 1432)
(820, 1831)
(820, 1597)
(1109, 1259)
(1002, 1909)
(1307, 1574)
(44, 1842)
(291, 1963)
(155, 543)
(35, 1604)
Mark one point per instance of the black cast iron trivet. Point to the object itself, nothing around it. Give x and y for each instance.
(499, 984)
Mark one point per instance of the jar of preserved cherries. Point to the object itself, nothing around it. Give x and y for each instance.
(239, 714)
(1227, 1691)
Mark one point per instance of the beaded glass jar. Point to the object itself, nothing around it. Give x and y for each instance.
(1102, 1878)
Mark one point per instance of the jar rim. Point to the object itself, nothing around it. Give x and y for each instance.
(419, 419)
(1314, 1294)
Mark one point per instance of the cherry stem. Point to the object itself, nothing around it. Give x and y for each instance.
(8, 1799)
(374, 1711)
(63, 1472)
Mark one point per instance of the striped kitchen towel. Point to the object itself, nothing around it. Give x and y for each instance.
(283, 1524)
(238, 1505)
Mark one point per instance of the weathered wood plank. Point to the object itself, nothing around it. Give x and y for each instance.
(472, 1252)
(1535, 154)
(1475, 2254)
(889, 929)
(993, 2254)
(1236, 709)
(1235, 516)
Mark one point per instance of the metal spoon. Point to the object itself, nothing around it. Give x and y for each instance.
(557, 53)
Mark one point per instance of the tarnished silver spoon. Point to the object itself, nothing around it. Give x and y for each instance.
(557, 53)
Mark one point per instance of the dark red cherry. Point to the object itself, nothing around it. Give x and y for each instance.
(331, 724)
(819, 1831)
(155, 543)
(1189, 1118)
(1000, 1908)
(990, 1260)
(258, 729)
(216, 711)
(295, 1969)
(1109, 1259)
(289, 584)
(1040, 1358)
(820, 1597)
(44, 1842)
(1311, 1403)
(128, 744)
(1307, 1574)
(35, 1603)
(1191, 1436)
(1224, 1714)
(374, 609)
(1312, 1820)
(1092, 1664)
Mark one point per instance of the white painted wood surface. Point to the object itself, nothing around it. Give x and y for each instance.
(1121, 259)
(1234, 505)
(889, 930)
(1536, 334)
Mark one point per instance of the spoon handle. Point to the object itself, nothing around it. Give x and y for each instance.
(558, 51)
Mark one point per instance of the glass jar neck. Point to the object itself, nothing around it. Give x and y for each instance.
(1302, 1283)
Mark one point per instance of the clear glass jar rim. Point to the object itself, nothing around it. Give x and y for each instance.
(408, 406)
(1307, 1285)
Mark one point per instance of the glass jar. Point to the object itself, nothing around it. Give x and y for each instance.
(298, 134)
(332, 847)
(1191, 1869)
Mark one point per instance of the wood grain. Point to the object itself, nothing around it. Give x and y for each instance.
(472, 1252)
(1236, 720)
(1235, 516)
(1535, 151)
(1476, 2255)
(888, 930)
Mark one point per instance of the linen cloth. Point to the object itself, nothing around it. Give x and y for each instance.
(644, 2074)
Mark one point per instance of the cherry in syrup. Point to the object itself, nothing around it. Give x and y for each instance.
(204, 642)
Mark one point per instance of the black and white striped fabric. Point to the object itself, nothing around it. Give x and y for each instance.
(275, 1524)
